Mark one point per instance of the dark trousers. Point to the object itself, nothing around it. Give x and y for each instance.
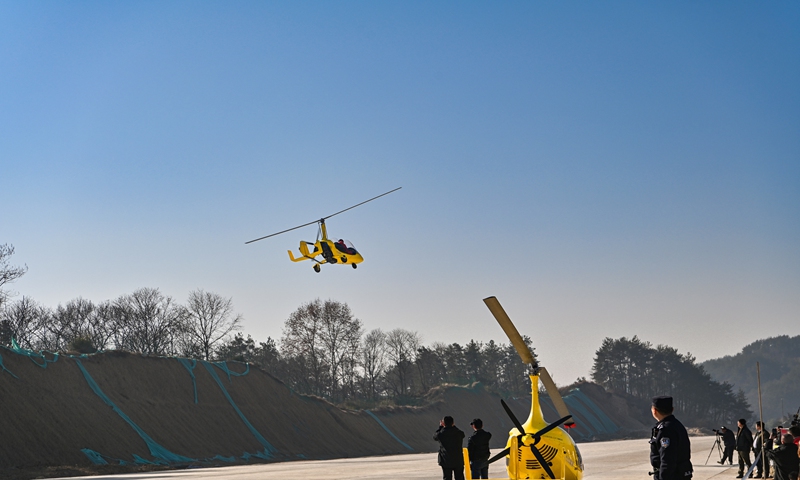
(761, 466)
(447, 473)
(744, 459)
(727, 454)
(477, 471)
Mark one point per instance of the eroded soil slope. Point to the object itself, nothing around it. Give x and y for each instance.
(117, 407)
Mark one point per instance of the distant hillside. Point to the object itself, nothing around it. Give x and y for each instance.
(779, 358)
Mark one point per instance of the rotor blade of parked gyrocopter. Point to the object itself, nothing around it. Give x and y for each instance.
(511, 331)
(555, 395)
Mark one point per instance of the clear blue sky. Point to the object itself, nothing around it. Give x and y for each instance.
(604, 169)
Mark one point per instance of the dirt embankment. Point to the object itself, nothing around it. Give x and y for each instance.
(118, 408)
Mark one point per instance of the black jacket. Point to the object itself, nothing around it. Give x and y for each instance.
(728, 438)
(670, 451)
(744, 439)
(450, 440)
(786, 461)
(767, 444)
(478, 446)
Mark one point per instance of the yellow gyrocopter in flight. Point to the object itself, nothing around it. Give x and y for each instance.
(334, 252)
(536, 449)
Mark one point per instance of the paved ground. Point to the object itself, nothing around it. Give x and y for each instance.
(619, 460)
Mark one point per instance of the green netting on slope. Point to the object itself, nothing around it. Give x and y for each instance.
(608, 424)
(156, 450)
(190, 363)
(36, 357)
(389, 431)
(574, 405)
(269, 450)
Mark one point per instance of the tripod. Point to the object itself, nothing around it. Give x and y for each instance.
(716, 445)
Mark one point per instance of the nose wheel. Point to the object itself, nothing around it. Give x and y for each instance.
(355, 266)
(316, 268)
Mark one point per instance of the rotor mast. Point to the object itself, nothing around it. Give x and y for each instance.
(324, 230)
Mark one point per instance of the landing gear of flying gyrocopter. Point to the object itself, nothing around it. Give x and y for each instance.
(316, 267)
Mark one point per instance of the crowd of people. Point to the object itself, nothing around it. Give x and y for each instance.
(781, 446)
(776, 454)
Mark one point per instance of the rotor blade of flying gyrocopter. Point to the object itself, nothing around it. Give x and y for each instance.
(323, 218)
(527, 356)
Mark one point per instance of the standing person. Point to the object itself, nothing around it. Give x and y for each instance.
(451, 458)
(764, 441)
(670, 450)
(744, 443)
(785, 458)
(478, 447)
(729, 442)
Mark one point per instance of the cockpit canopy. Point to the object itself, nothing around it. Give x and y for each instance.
(345, 246)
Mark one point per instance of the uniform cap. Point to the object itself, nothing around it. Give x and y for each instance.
(477, 422)
(663, 403)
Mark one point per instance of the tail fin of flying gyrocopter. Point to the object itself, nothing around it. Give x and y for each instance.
(529, 359)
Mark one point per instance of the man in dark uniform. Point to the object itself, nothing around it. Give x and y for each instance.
(729, 442)
(744, 443)
(478, 446)
(762, 444)
(670, 451)
(451, 457)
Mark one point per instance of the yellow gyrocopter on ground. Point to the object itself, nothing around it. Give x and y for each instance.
(339, 252)
(536, 449)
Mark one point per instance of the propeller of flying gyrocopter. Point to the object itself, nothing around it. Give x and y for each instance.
(537, 436)
(322, 220)
(528, 357)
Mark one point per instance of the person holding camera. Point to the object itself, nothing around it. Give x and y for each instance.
(670, 450)
(451, 457)
(744, 443)
(729, 444)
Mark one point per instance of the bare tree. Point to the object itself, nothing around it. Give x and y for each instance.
(373, 360)
(327, 334)
(147, 322)
(401, 348)
(23, 321)
(300, 346)
(209, 320)
(339, 337)
(8, 273)
(82, 319)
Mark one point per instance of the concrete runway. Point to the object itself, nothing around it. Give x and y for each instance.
(618, 460)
